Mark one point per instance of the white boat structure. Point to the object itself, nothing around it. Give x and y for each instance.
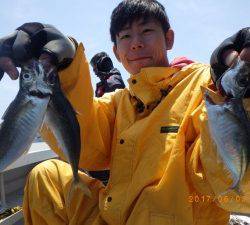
(12, 180)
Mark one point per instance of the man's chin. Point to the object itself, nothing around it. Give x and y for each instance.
(138, 68)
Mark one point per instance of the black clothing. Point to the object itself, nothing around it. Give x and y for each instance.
(113, 80)
(237, 42)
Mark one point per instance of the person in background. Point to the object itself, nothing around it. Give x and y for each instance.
(110, 80)
(110, 77)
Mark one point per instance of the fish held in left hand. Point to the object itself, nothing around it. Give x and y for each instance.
(25, 114)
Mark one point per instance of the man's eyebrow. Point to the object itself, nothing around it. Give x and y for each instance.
(142, 23)
(125, 28)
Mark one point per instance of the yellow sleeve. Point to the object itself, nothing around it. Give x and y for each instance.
(95, 116)
(207, 171)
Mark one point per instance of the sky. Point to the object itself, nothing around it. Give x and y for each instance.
(199, 27)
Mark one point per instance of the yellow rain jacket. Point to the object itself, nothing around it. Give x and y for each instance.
(164, 167)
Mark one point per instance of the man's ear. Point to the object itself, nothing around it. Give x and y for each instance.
(169, 39)
(116, 53)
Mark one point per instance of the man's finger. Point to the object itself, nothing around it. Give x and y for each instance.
(47, 62)
(7, 65)
(230, 56)
(245, 54)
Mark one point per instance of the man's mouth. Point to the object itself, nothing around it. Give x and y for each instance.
(139, 59)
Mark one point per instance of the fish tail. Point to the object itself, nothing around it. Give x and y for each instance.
(236, 184)
(234, 187)
(238, 190)
(77, 184)
(70, 193)
(83, 187)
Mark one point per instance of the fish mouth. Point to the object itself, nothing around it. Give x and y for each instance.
(39, 94)
(243, 81)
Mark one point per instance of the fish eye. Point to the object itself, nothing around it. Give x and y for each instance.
(27, 76)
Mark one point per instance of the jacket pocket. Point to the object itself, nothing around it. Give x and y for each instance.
(162, 219)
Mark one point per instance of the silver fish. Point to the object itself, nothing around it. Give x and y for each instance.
(25, 114)
(61, 119)
(229, 128)
(236, 80)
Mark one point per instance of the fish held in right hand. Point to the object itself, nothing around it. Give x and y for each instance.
(236, 80)
(61, 119)
(229, 128)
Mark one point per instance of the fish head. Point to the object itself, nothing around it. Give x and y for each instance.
(33, 79)
(236, 80)
(243, 68)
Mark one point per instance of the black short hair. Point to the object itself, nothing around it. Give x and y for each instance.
(102, 61)
(130, 10)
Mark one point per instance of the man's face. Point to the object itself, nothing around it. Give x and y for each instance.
(143, 44)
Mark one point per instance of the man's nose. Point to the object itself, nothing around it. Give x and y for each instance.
(137, 43)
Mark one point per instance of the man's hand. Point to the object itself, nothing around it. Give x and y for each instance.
(35, 40)
(230, 49)
(231, 55)
(245, 54)
(8, 66)
(47, 62)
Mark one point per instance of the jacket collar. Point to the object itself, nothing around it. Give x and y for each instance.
(152, 83)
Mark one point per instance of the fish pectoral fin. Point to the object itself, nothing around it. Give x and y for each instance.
(208, 98)
(15, 106)
(212, 95)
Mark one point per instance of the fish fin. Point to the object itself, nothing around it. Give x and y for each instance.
(9, 108)
(84, 188)
(74, 185)
(212, 97)
(70, 193)
(14, 106)
(208, 98)
(236, 189)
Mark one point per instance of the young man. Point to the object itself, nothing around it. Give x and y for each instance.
(152, 135)
(110, 77)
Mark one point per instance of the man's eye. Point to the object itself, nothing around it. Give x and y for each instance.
(124, 36)
(147, 30)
